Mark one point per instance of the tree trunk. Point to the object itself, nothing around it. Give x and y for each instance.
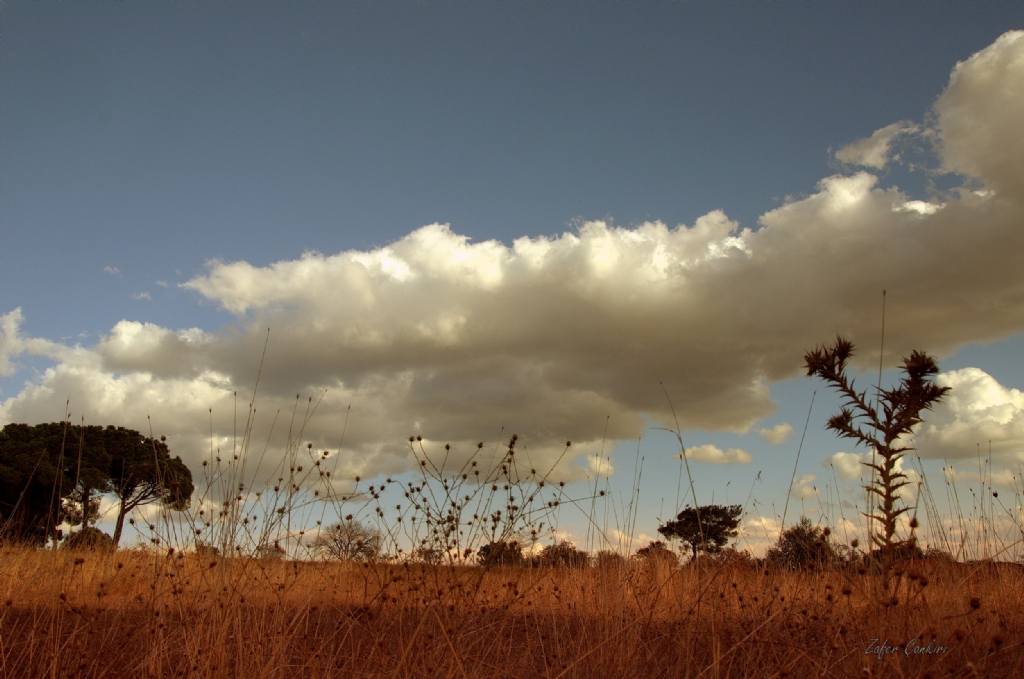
(119, 525)
(85, 506)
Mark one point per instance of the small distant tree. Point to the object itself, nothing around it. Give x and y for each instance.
(563, 555)
(803, 545)
(880, 424)
(704, 529)
(349, 540)
(501, 553)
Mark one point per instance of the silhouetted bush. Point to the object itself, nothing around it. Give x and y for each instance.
(89, 538)
(501, 553)
(803, 546)
(563, 555)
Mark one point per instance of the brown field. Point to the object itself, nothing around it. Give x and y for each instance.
(136, 613)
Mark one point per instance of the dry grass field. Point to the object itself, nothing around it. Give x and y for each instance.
(139, 613)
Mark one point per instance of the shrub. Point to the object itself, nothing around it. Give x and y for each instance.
(609, 559)
(563, 555)
(501, 553)
(428, 555)
(272, 552)
(657, 552)
(89, 538)
(803, 546)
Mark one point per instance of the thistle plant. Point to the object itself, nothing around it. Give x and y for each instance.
(881, 425)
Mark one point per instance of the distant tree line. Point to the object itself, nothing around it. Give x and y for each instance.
(802, 546)
(56, 473)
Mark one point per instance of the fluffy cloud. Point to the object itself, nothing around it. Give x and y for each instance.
(804, 488)
(1002, 478)
(13, 343)
(760, 531)
(874, 151)
(977, 111)
(9, 345)
(976, 411)
(778, 434)
(600, 465)
(556, 338)
(848, 466)
(714, 454)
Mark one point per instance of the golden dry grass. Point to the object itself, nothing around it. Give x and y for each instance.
(149, 614)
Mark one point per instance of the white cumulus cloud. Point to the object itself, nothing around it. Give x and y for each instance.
(600, 465)
(979, 116)
(874, 150)
(804, 488)
(547, 337)
(977, 410)
(778, 434)
(849, 465)
(715, 455)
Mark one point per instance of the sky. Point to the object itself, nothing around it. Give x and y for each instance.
(460, 221)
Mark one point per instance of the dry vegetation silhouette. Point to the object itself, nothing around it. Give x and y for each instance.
(456, 573)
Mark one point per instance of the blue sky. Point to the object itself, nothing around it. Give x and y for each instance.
(139, 142)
